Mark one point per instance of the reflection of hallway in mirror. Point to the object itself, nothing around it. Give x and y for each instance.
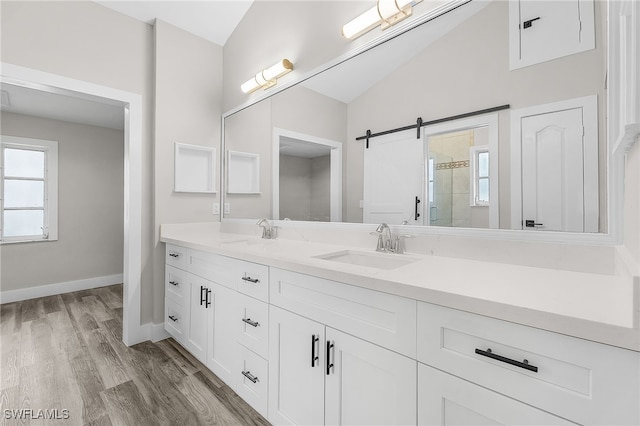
(304, 188)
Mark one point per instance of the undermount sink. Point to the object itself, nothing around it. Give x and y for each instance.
(372, 260)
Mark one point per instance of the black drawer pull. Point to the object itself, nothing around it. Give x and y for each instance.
(174, 255)
(251, 280)
(524, 364)
(172, 318)
(174, 282)
(251, 323)
(249, 376)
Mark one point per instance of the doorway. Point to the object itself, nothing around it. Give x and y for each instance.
(133, 331)
(307, 177)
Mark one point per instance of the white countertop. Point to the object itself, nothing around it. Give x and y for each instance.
(586, 305)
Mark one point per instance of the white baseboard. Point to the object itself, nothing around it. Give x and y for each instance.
(157, 332)
(59, 288)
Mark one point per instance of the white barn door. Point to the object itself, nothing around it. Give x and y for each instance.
(394, 179)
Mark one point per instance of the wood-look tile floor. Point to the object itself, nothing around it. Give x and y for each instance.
(65, 352)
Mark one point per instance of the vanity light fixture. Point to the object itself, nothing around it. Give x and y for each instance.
(385, 13)
(267, 77)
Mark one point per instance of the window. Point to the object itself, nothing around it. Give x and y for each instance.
(480, 175)
(28, 189)
(431, 180)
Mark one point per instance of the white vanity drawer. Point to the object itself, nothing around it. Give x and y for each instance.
(213, 267)
(252, 379)
(176, 322)
(176, 256)
(253, 280)
(253, 323)
(444, 399)
(380, 318)
(176, 286)
(583, 381)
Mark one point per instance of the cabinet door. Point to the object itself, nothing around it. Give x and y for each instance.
(367, 384)
(198, 316)
(540, 31)
(221, 353)
(444, 399)
(296, 369)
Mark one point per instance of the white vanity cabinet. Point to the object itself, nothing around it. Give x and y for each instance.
(221, 351)
(216, 307)
(574, 379)
(319, 375)
(199, 316)
(320, 372)
(304, 350)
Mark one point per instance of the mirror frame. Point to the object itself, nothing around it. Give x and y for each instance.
(622, 65)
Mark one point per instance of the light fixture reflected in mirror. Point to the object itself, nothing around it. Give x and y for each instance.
(267, 77)
(385, 13)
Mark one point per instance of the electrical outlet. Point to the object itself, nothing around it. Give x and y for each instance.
(216, 208)
(227, 208)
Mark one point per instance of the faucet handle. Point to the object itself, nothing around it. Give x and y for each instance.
(380, 244)
(399, 244)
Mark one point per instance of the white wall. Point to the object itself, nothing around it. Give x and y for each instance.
(90, 206)
(86, 41)
(187, 109)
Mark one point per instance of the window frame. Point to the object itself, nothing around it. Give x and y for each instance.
(50, 206)
(474, 153)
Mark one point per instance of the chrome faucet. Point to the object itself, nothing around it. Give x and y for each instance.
(268, 230)
(386, 241)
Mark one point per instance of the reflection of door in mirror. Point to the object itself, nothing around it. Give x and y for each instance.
(394, 179)
(559, 166)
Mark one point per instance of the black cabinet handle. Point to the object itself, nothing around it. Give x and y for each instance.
(202, 297)
(176, 255)
(329, 363)
(249, 376)
(314, 357)
(527, 24)
(417, 215)
(531, 223)
(251, 323)
(208, 299)
(251, 280)
(173, 282)
(524, 364)
(172, 318)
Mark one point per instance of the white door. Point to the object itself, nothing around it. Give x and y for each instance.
(394, 179)
(446, 400)
(296, 369)
(221, 354)
(368, 385)
(554, 166)
(198, 316)
(553, 171)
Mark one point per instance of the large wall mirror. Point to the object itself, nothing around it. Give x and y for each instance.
(499, 146)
